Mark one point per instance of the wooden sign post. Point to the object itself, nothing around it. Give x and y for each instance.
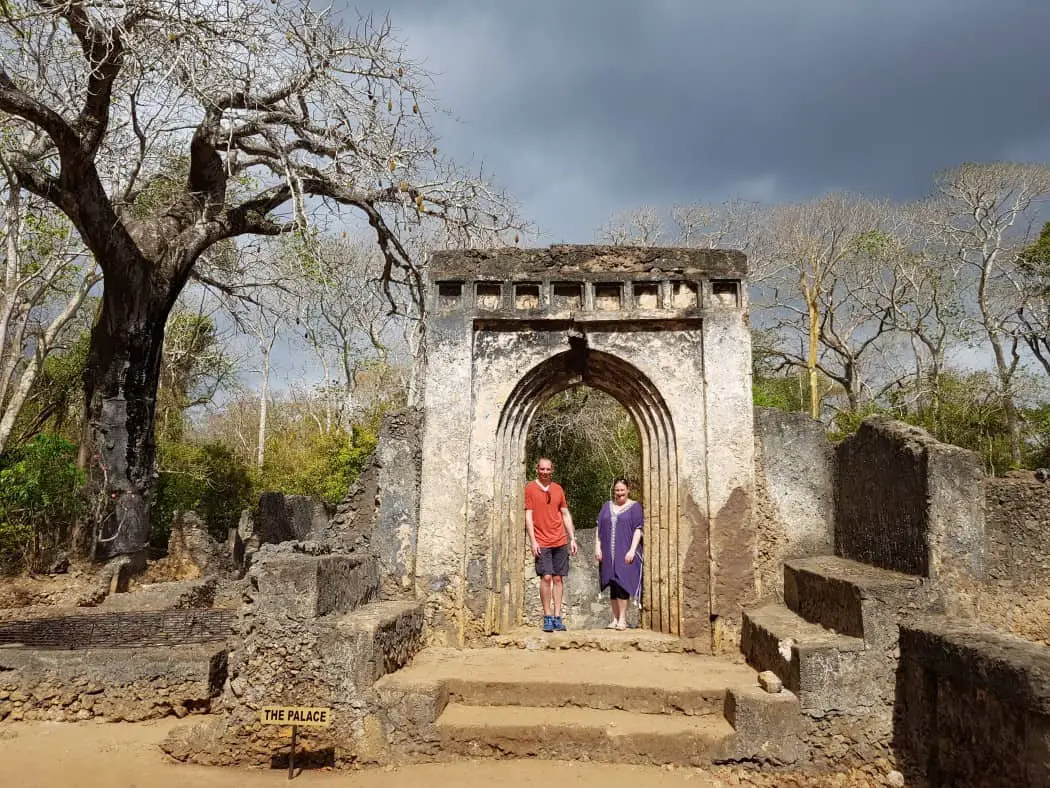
(311, 716)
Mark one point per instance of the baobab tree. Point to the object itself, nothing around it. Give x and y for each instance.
(163, 128)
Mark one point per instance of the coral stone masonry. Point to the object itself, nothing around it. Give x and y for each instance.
(664, 332)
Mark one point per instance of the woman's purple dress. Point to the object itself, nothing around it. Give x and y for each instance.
(615, 532)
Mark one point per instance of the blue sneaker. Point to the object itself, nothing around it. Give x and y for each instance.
(548, 623)
(559, 625)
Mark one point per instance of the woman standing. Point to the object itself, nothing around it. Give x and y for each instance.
(618, 551)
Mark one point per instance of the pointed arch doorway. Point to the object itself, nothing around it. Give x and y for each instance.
(663, 331)
(580, 365)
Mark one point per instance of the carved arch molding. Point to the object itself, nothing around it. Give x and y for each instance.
(664, 332)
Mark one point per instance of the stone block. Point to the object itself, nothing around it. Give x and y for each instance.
(770, 682)
(306, 586)
(386, 635)
(853, 598)
(960, 684)
(907, 502)
(306, 515)
(271, 523)
(826, 670)
(768, 725)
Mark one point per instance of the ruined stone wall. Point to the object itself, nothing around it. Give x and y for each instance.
(381, 508)
(1016, 593)
(973, 707)
(111, 630)
(794, 493)
(399, 455)
(907, 502)
(285, 517)
(111, 684)
(310, 634)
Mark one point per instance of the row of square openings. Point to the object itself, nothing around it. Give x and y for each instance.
(610, 297)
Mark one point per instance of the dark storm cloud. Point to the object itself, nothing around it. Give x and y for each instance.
(588, 107)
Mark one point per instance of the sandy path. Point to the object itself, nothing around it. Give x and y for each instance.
(86, 755)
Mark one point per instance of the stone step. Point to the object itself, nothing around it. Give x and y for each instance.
(650, 682)
(824, 668)
(853, 598)
(574, 733)
(532, 638)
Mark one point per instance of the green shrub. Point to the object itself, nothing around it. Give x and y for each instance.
(322, 464)
(39, 498)
(207, 478)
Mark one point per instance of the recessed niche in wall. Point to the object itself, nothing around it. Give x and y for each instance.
(726, 292)
(647, 295)
(449, 294)
(527, 296)
(487, 295)
(683, 295)
(566, 295)
(607, 297)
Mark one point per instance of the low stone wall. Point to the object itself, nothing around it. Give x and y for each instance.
(973, 707)
(794, 493)
(115, 630)
(130, 684)
(835, 741)
(907, 502)
(1016, 592)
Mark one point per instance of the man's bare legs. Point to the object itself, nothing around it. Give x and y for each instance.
(545, 594)
(557, 590)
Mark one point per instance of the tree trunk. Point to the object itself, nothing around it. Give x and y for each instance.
(813, 356)
(264, 395)
(18, 401)
(120, 383)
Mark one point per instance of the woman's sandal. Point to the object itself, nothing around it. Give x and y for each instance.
(620, 626)
(612, 625)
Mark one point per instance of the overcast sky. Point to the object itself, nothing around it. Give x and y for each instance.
(584, 108)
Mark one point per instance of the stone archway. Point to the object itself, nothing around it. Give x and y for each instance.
(641, 399)
(665, 332)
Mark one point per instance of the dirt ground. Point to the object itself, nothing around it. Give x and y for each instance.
(95, 755)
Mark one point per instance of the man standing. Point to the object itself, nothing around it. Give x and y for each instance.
(549, 526)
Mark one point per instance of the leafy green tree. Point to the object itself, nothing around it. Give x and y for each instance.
(322, 463)
(207, 478)
(45, 281)
(39, 499)
(56, 403)
(193, 367)
(591, 440)
(1038, 444)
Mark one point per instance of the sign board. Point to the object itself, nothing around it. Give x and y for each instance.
(312, 716)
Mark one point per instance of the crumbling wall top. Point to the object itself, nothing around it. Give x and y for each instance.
(582, 261)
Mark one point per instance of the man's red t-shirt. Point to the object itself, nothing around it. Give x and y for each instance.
(546, 506)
